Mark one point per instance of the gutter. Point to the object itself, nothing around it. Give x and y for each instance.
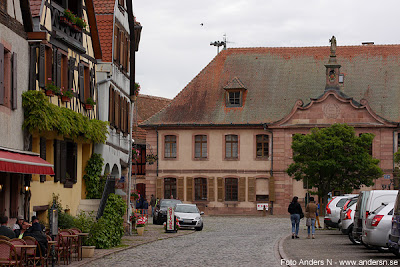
(271, 171)
(157, 153)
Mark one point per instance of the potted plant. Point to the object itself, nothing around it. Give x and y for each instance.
(88, 251)
(134, 196)
(66, 94)
(137, 89)
(135, 153)
(68, 18)
(140, 224)
(51, 88)
(89, 103)
(79, 24)
(151, 158)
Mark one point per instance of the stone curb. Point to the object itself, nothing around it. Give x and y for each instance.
(83, 263)
(281, 252)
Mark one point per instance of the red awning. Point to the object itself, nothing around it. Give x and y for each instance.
(24, 162)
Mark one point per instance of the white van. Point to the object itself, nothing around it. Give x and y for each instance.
(369, 201)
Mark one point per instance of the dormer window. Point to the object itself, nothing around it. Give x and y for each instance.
(234, 99)
(234, 93)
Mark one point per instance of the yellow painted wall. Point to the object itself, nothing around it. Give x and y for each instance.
(42, 193)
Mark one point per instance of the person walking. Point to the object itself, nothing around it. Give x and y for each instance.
(311, 211)
(296, 214)
(152, 204)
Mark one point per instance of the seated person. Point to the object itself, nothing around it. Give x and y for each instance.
(4, 230)
(18, 225)
(36, 232)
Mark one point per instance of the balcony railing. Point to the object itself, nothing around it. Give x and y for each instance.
(64, 33)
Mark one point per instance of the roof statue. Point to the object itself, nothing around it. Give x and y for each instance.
(333, 45)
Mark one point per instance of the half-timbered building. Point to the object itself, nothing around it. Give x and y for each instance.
(64, 49)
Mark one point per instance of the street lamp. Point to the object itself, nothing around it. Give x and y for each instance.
(53, 228)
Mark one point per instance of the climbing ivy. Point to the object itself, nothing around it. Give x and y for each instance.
(94, 183)
(40, 115)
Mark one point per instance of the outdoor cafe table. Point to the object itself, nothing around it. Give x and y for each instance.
(69, 240)
(80, 238)
(24, 248)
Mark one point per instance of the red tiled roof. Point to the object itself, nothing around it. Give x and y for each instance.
(35, 7)
(275, 78)
(105, 29)
(147, 106)
(104, 6)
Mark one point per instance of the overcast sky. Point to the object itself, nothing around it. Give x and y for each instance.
(174, 47)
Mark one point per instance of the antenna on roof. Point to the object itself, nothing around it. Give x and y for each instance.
(220, 43)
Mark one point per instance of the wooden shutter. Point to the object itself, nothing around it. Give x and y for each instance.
(54, 66)
(128, 117)
(71, 71)
(242, 189)
(115, 43)
(211, 189)
(116, 110)
(111, 106)
(189, 189)
(2, 74)
(42, 65)
(14, 91)
(122, 48)
(57, 62)
(180, 187)
(92, 82)
(220, 186)
(32, 68)
(128, 56)
(251, 189)
(63, 161)
(57, 160)
(159, 191)
(122, 114)
(271, 188)
(81, 72)
(74, 174)
(42, 155)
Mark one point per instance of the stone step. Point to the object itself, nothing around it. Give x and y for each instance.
(89, 205)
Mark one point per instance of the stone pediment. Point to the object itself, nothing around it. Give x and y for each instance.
(332, 107)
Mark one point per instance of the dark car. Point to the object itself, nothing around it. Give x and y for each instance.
(160, 212)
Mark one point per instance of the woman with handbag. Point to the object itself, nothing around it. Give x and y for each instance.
(295, 214)
(311, 210)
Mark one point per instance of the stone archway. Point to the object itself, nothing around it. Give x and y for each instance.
(115, 172)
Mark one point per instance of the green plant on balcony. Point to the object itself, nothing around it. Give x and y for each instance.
(80, 22)
(90, 101)
(69, 15)
(51, 88)
(151, 158)
(67, 92)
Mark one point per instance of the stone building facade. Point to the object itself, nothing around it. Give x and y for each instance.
(224, 142)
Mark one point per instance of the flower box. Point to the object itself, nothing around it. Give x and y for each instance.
(65, 99)
(65, 21)
(49, 92)
(76, 28)
(88, 107)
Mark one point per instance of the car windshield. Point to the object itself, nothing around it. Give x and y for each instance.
(186, 209)
(169, 202)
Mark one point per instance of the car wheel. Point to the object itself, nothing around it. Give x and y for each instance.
(351, 237)
(397, 252)
(199, 228)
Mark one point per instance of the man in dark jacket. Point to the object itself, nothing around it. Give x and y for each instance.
(152, 204)
(36, 232)
(4, 230)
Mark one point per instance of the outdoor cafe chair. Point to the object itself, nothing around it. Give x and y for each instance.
(8, 254)
(63, 246)
(76, 242)
(3, 237)
(18, 241)
(34, 255)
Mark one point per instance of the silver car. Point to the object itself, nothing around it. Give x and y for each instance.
(347, 215)
(378, 226)
(189, 216)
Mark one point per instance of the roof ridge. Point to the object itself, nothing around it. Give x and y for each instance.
(315, 46)
(154, 97)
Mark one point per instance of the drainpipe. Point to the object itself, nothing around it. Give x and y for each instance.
(271, 171)
(157, 152)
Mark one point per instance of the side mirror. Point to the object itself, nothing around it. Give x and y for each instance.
(202, 213)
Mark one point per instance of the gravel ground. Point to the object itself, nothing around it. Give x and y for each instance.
(224, 241)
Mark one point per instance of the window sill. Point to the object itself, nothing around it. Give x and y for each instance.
(172, 159)
(200, 159)
(231, 159)
(262, 159)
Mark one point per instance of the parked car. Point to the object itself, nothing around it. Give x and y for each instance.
(348, 223)
(160, 212)
(346, 215)
(189, 216)
(332, 210)
(394, 237)
(378, 226)
(367, 202)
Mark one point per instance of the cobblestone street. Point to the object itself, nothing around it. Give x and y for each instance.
(224, 241)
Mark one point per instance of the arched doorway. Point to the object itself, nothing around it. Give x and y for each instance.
(115, 171)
